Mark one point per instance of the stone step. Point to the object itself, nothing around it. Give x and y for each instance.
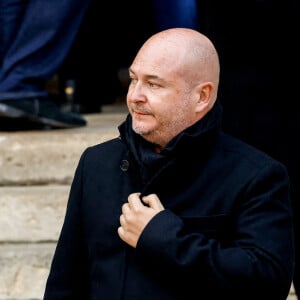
(43, 157)
(32, 214)
(30, 221)
(36, 169)
(24, 269)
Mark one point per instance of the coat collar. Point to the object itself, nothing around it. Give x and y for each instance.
(191, 136)
(196, 138)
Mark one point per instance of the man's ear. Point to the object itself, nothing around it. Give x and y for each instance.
(204, 96)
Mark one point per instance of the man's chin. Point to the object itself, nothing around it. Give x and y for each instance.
(142, 130)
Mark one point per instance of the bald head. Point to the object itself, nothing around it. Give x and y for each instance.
(174, 83)
(187, 52)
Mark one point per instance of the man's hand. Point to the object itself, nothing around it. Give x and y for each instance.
(136, 215)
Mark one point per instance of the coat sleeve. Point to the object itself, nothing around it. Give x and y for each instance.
(259, 255)
(67, 279)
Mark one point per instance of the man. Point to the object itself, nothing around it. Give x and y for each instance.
(173, 208)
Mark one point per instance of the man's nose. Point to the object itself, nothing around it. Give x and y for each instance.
(136, 93)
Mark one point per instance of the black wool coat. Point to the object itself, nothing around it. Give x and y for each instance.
(225, 232)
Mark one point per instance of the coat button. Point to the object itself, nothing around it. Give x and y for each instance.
(124, 165)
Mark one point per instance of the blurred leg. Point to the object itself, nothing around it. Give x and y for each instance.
(33, 51)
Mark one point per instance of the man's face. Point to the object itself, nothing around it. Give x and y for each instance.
(158, 98)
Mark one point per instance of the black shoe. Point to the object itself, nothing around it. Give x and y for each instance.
(38, 113)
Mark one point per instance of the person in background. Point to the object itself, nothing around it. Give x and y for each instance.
(175, 13)
(35, 38)
(173, 208)
(95, 65)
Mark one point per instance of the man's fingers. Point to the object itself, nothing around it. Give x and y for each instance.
(121, 232)
(153, 201)
(136, 215)
(125, 208)
(134, 200)
(122, 220)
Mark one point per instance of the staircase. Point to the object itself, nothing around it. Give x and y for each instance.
(36, 169)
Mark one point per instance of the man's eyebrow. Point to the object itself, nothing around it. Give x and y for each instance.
(147, 76)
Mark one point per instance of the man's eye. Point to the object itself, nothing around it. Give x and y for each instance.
(133, 80)
(152, 85)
